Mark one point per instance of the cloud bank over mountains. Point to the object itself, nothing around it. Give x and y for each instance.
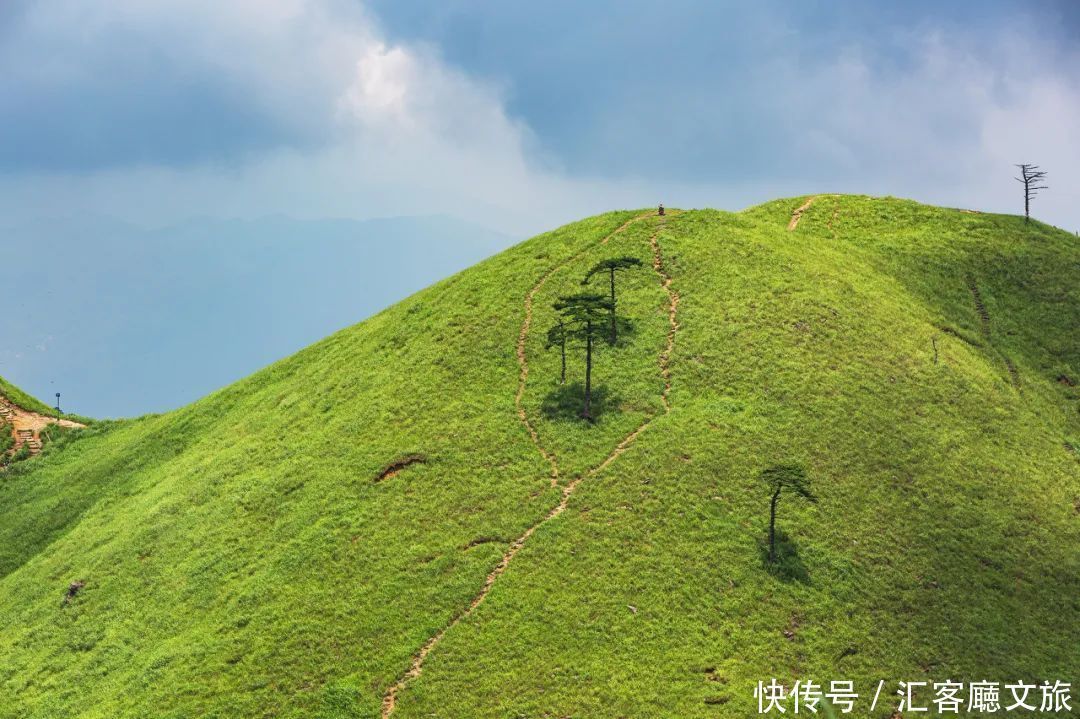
(131, 129)
(157, 111)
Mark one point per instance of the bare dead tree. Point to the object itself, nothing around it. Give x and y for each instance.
(1030, 177)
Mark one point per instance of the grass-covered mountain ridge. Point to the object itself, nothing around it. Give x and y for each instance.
(410, 517)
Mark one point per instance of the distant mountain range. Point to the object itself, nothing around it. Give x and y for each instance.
(123, 320)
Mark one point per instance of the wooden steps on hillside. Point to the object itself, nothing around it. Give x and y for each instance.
(29, 439)
(25, 427)
(26, 438)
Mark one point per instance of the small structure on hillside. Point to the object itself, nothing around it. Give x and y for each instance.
(26, 426)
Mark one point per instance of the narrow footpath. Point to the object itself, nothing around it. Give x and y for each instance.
(416, 667)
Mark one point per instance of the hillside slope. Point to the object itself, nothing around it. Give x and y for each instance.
(407, 518)
(23, 432)
(22, 399)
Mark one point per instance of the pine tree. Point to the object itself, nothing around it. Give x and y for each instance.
(792, 477)
(556, 337)
(611, 266)
(583, 316)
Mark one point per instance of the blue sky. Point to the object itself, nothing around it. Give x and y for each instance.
(124, 321)
(517, 116)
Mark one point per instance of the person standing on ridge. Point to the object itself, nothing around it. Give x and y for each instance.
(661, 210)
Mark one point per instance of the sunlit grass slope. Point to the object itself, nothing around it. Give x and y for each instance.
(242, 558)
(24, 400)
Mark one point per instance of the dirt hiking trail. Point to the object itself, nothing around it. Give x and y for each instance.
(417, 666)
(984, 328)
(798, 213)
(26, 426)
(523, 335)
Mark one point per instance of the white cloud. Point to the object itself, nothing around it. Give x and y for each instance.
(948, 128)
(1040, 127)
(401, 132)
(382, 86)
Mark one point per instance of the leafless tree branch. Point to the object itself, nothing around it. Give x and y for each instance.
(1030, 176)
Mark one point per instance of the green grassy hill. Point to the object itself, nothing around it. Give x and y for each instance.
(24, 400)
(251, 556)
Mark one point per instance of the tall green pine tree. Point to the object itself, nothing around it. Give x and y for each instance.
(611, 266)
(556, 337)
(583, 316)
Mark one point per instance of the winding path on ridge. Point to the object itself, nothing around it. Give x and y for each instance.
(523, 363)
(798, 213)
(417, 666)
(673, 321)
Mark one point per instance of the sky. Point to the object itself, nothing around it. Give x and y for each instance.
(122, 320)
(512, 116)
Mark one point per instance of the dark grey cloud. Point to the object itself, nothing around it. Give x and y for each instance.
(132, 107)
(528, 113)
(89, 86)
(518, 116)
(697, 91)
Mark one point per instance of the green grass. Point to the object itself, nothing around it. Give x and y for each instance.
(24, 400)
(33, 404)
(53, 438)
(241, 559)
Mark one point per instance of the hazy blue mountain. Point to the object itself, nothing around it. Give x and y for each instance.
(123, 320)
